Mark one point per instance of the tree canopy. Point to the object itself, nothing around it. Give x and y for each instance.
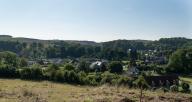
(180, 61)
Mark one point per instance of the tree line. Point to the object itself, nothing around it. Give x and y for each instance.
(112, 50)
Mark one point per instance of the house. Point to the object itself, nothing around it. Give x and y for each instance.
(73, 61)
(98, 65)
(31, 62)
(56, 61)
(43, 61)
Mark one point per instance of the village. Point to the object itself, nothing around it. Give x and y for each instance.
(131, 68)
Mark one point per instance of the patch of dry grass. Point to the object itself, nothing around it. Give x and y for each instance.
(15, 90)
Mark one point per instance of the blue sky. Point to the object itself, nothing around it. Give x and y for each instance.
(97, 20)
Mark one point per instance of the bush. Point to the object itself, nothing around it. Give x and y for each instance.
(115, 67)
(66, 75)
(10, 58)
(31, 73)
(123, 81)
(91, 80)
(185, 87)
(141, 82)
(174, 88)
(73, 77)
(83, 66)
(82, 77)
(53, 67)
(7, 71)
(108, 78)
(180, 62)
(59, 76)
(69, 67)
(23, 62)
(50, 72)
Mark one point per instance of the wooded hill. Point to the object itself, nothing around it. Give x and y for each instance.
(116, 50)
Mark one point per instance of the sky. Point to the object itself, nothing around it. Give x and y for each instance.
(96, 20)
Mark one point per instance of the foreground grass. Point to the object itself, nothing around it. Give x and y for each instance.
(15, 90)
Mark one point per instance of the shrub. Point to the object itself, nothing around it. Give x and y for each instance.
(82, 77)
(50, 72)
(174, 88)
(7, 71)
(31, 73)
(69, 67)
(180, 62)
(10, 58)
(66, 75)
(73, 77)
(108, 78)
(51, 75)
(98, 77)
(91, 80)
(83, 66)
(141, 82)
(59, 76)
(23, 62)
(185, 87)
(123, 81)
(115, 67)
(53, 67)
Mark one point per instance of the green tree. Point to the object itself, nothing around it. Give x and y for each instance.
(10, 58)
(83, 66)
(180, 62)
(23, 62)
(185, 87)
(141, 83)
(59, 76)
(33, 73)
(51, 71)
(115, 67)
(69, 67)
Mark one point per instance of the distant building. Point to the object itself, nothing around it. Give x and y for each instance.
(98, 65)
(155, 59)
(31, 62)
(73, 61)
(43, 62)
(56, 61)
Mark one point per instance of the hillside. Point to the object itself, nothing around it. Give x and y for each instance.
(30, 40)
(111, 50)
(19, 39)
(15, 90)
(178, 42)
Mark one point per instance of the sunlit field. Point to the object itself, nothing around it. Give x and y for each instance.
(15, 90)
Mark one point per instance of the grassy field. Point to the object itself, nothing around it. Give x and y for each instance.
(15, 90)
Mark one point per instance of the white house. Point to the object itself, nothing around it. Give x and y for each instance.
(97, 65)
